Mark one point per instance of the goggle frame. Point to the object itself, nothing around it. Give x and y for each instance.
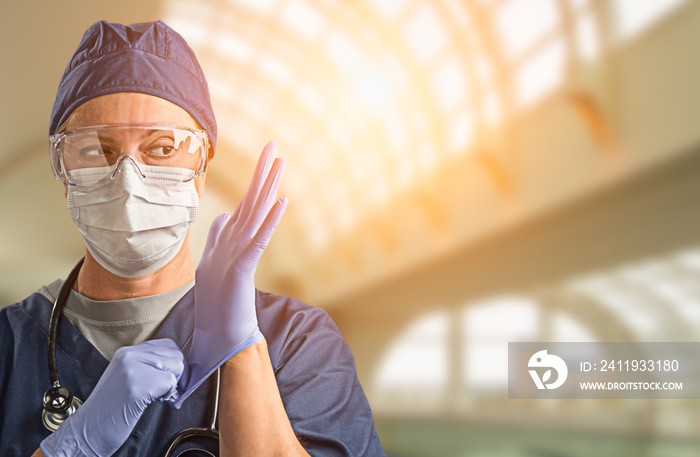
(56, 158)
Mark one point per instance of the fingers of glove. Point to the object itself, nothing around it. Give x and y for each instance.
(266, 198)
(214, 230)
(268, 195)
(164, 355)
(237, 212)
(262, 169)
(149, 370)
(264, 235)
(168, 391)
(152, 385)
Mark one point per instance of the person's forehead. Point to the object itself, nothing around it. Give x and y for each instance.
(129, 107)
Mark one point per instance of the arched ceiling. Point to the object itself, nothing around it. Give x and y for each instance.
(410, 127)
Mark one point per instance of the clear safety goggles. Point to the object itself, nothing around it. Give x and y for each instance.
(99, 150)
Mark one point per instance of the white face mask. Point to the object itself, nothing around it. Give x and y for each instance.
(134, 225)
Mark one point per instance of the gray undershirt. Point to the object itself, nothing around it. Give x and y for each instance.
(109, 325)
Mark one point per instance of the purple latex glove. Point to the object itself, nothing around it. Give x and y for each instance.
(225, 320)
(135, 377)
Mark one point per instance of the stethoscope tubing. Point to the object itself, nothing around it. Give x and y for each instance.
(56, 313)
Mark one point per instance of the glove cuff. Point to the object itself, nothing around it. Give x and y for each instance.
(64, 442)
(198, 373)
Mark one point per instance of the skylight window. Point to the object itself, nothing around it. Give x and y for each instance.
(521, 23)
(303, 18)
(450, 84)
(635, 16)
(424, 33)
(541, 74)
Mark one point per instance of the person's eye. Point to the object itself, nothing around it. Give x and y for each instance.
(162, 151)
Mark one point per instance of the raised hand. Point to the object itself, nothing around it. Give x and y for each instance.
(225, 317)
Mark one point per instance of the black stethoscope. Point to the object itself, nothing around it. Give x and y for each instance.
(59, 402)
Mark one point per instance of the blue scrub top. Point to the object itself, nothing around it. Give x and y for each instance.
(313, 366)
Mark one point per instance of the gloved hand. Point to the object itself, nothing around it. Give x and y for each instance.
(135, 377)
(225, 319)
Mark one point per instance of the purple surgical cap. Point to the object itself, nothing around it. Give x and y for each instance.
(150, 58)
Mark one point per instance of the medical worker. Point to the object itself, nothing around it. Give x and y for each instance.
(143, 331)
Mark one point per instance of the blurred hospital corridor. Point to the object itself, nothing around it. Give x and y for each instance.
(461, 174)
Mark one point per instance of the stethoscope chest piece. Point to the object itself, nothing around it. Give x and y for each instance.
(58, 403)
